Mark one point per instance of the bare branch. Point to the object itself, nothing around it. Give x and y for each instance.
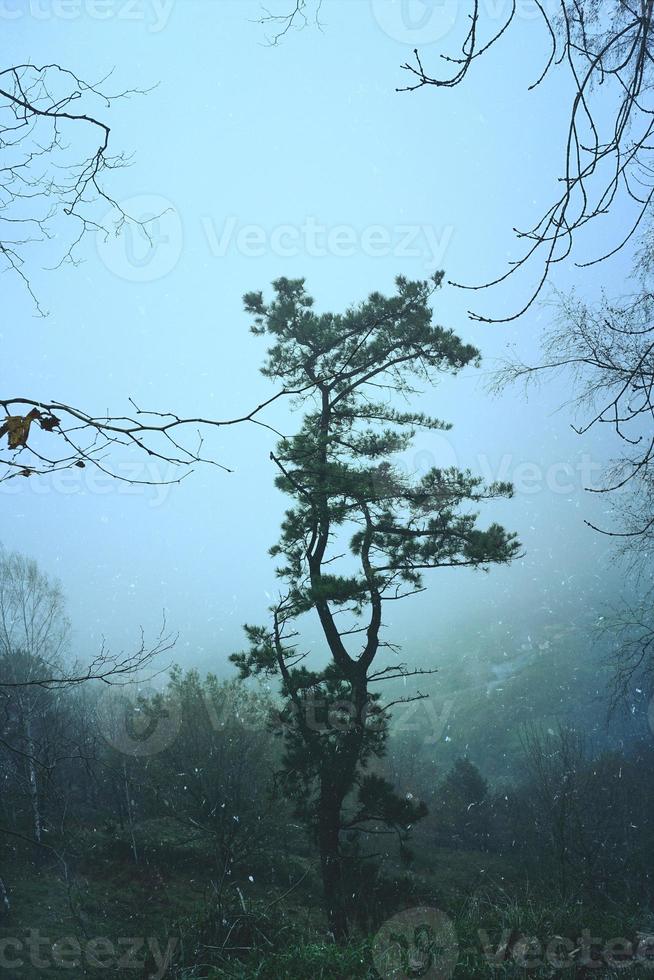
(295, 19)
(607, 160)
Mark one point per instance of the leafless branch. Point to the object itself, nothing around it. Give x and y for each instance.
(55, 150)
(46, 437)
(295, 19)
(607, 161)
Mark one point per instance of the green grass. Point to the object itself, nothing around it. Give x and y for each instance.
(271, 935)
(317, 961)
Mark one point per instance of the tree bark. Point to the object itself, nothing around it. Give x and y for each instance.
(331, 868)
(335, 785)
(130, 817)
(33, 781)
(5, 905)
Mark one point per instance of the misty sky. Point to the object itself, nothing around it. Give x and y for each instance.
(294, 160)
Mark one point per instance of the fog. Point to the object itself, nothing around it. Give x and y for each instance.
(261, 156)
(246, 252)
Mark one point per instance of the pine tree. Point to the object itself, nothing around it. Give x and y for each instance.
(359, 533)
(463, 809)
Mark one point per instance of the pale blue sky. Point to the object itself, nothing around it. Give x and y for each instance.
(297, 160)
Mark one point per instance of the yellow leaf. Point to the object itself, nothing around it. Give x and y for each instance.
(17, 428)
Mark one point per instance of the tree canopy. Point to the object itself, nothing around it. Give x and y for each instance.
(360, 533)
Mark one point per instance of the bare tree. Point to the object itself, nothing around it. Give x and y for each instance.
(556, 764)
(56, 155)
(606, 48)
(34, 631)
(38, 727)
(627, 628)
(33, 635)
(607, 51)
(607, 166)
(608, 349)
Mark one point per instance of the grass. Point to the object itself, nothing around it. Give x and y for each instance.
(261, 932)
(318, 961)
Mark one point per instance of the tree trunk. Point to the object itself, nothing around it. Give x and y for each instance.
(33, 782)
(331, 869)
(130, 818)
(5, 905)
(335, 785)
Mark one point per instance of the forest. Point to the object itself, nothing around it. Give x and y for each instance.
(327, 465)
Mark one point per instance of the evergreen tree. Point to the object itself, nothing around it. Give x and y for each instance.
(463, 810)
(359, 533)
